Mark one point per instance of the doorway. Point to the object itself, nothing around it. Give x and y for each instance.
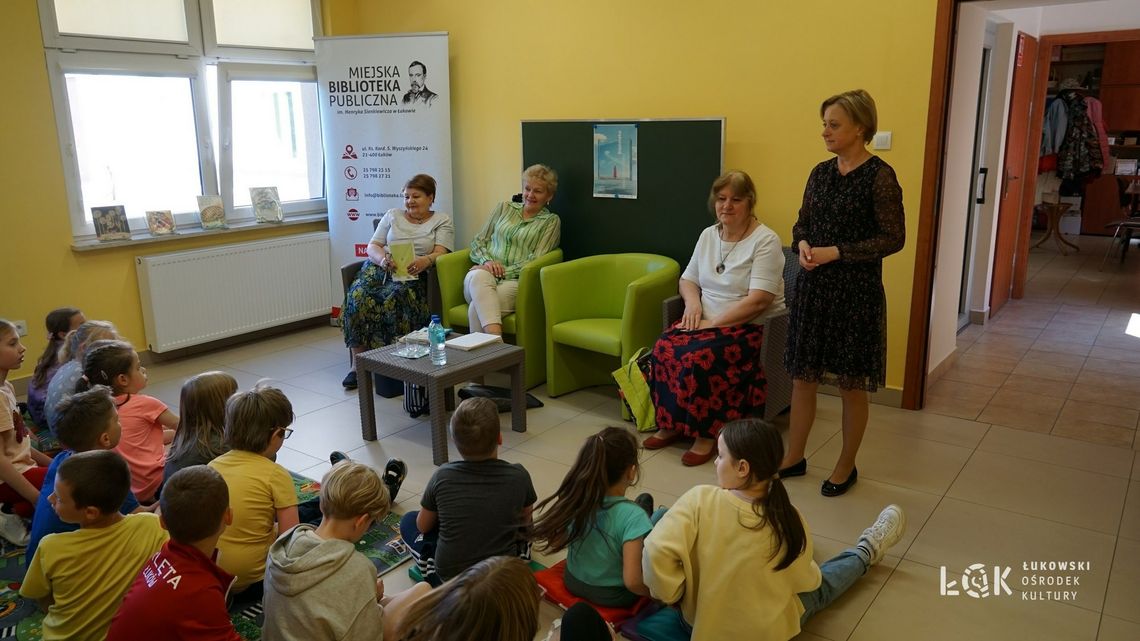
(978, 182)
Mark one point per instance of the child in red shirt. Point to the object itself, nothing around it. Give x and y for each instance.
(180, 594)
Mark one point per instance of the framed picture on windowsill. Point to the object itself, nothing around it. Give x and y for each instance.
(111, 223)
(160, 222)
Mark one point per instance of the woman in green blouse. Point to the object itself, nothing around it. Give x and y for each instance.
(515, 234)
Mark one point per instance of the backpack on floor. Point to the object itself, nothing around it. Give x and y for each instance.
(415, 400)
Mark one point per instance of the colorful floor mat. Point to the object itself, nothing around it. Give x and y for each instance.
(21, 619)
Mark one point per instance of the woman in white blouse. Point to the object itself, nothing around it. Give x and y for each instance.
(378, 309)
(705, 369)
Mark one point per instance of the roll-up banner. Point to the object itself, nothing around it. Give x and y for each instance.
(385, 117)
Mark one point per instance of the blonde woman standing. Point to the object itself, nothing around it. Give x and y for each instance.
(851, 218)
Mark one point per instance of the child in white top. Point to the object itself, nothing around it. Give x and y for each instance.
(22, 468)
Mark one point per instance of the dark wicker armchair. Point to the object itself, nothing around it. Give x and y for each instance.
(775, 339)
(348, 274)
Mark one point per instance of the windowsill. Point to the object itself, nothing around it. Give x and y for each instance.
(139, 238)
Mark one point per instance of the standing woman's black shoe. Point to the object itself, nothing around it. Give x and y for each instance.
(833, 489)
(349, 381)
(795, 469)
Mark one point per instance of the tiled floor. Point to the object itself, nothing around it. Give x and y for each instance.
(1065, 360)
(1008, 467)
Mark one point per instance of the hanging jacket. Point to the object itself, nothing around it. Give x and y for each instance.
(1056, 121)
(1080, 155)
(1096, 116)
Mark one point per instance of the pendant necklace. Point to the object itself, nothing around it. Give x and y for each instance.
(724, 255)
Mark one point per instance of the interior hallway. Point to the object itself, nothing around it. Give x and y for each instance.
(1065, 360)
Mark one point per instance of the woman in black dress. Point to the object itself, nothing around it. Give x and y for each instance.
(851, 218)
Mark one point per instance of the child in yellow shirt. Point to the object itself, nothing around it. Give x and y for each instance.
(80, 577)
(261, 491)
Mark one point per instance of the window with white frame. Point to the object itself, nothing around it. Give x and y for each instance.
(160, 101)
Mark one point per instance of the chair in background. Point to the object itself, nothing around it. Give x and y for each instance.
(388, 387)
(599, 311)
(775, 339)
(525, 327)
(349, 271)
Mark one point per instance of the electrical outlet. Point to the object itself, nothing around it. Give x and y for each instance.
(21, 327)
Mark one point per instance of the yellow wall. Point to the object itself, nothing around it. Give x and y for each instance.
(39, 270)
(765, 66)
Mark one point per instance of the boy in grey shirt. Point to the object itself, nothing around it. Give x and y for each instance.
(471, 509)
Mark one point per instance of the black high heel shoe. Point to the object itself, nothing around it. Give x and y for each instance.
(834, 489)
(795, 469)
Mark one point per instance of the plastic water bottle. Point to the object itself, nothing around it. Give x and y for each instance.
(436, 337)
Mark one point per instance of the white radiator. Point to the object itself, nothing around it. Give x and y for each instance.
(202, 295)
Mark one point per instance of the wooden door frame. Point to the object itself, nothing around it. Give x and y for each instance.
(929, 214)
(1024, 224)
(922, 289)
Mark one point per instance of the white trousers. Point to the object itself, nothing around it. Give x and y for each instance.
(488, 299)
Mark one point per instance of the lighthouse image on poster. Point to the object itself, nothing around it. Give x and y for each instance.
(615, 161)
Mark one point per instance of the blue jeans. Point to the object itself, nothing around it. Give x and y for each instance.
(423, 546)
(839, 573)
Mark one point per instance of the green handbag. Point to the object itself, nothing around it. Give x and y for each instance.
(635, 392)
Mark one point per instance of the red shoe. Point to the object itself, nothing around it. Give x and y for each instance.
(656, 442)
(692, 459)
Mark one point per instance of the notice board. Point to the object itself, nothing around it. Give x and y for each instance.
(677, 162)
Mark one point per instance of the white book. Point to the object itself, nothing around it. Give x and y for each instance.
(468, 342)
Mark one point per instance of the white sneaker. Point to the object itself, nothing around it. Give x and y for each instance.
(13, 530)
(886, 531)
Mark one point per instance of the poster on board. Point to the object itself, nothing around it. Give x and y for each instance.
(385, 105)
(615, 161)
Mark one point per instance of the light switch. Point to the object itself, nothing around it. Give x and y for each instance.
(882, 140)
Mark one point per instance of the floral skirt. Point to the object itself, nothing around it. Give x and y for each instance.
(701, 380)
(378, 310)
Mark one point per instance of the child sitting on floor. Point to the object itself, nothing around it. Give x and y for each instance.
(22, 467)
(180, 594)
(75, 346)
(200, 437)
(471, 509)
(80, 577)
(739, 556)
(317, 585)
(59, 323)
(604, 530)
(261, 491)
(148, 425)
(87, 421)
(496, 598)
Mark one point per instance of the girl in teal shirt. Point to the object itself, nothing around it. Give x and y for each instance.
(603, 530)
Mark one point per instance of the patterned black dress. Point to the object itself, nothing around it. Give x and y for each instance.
(837, 333)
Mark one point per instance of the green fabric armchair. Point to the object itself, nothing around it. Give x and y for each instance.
(525, 327)
(599, 311)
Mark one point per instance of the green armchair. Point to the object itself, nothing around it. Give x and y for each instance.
(526, 326)
(599, 311)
